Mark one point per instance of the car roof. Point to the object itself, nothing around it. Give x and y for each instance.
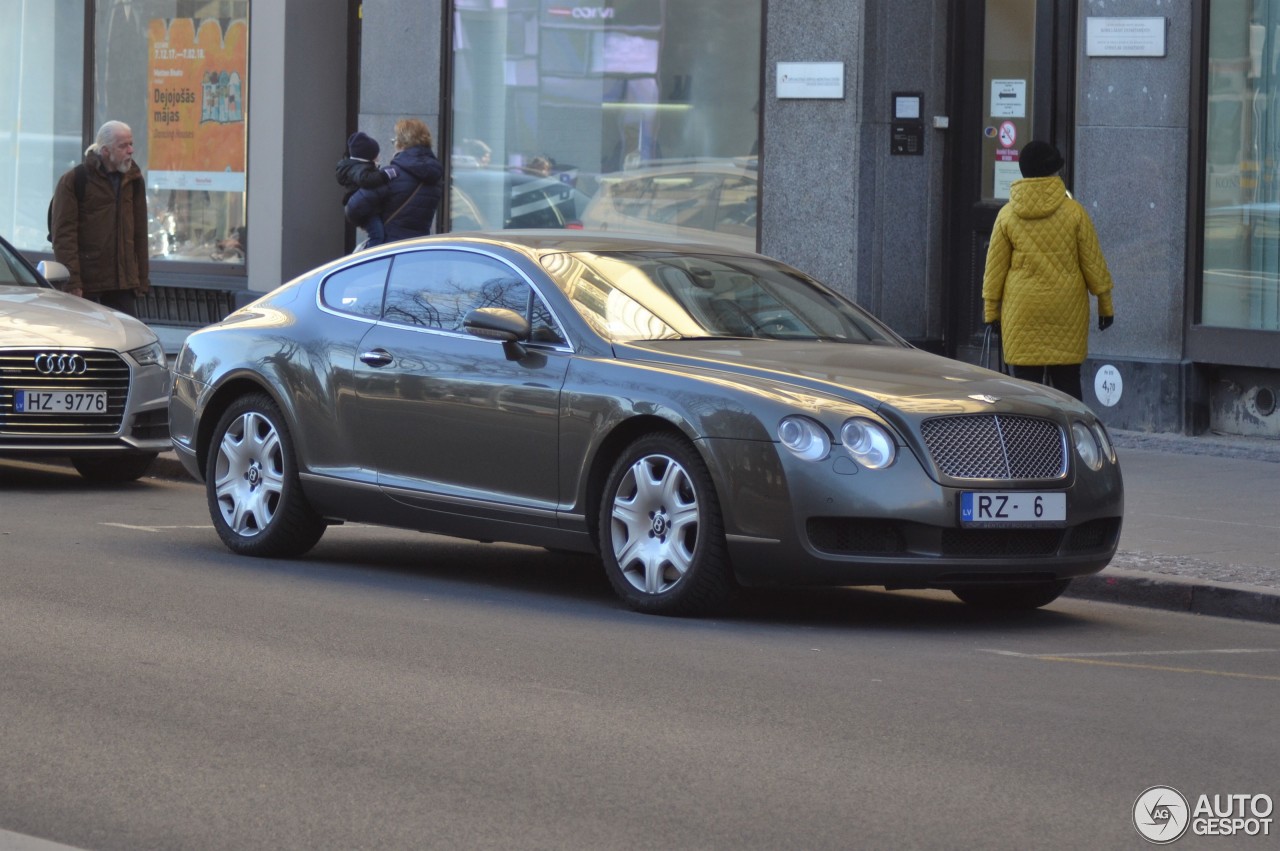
(552, 241)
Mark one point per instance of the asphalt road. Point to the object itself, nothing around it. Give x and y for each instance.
(394, 690)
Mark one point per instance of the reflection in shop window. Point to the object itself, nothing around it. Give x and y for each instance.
(177, 73)
(42, 80)
(645, 109)
(1241, 283)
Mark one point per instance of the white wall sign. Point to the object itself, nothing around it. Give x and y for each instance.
(1006, 172)
(1124, 36)
(1009, 98)
(811, 80)
(1108, 386)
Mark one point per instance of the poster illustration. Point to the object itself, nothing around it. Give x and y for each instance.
(197, 86)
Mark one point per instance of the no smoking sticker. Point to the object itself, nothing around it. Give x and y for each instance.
(1008, 134)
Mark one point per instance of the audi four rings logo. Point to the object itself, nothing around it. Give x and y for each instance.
(60, 363)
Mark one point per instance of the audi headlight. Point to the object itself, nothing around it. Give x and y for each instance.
(149, 354)
(1086, 445)
(806, 438)
(868, 443)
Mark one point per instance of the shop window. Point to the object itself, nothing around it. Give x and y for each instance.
(41, 111)
(1241, 281)
(644, 109)
(176, 71)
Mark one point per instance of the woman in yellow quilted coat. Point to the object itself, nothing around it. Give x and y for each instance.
(1043, 263)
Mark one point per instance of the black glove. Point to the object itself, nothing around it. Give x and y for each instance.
(994, 326)
(1104, 322)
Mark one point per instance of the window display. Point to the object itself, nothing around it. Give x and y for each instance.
(176, 72)
(42, 81)
(593, 96)
(1241, 284)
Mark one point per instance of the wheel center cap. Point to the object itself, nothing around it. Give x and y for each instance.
(255, 474)
(660, 526)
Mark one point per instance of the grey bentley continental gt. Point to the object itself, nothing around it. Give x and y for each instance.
(699, 417)
(77, 379)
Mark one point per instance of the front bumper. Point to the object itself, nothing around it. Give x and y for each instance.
(142, 426)
(790, 522)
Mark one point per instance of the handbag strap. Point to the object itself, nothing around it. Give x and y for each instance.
(388, 219)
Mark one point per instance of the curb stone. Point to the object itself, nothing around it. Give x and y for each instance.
(1178, 594)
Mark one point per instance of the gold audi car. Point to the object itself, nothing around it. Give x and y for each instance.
(77, 379)
(700, 418)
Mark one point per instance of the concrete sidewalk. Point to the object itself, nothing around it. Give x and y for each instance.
(1201, 528)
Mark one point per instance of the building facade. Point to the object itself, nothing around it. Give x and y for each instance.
(868, 142)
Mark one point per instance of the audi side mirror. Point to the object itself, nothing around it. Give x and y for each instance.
(53, 272)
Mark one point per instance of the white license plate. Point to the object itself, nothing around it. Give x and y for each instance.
(991, 508)
(60, 401)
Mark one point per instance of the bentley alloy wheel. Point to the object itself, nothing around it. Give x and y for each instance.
(255, 498)
(661, 532)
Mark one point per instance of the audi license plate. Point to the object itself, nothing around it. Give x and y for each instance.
(988, 508)
(60, 401)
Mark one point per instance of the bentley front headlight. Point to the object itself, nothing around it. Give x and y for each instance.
(868, 443)
(1086, 445)
(806, 438)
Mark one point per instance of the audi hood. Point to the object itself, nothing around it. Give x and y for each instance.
(32, 316)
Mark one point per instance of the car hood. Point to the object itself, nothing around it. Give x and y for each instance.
(915, 383)
(43, 317)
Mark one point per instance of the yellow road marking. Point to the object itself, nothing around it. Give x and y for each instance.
(1169, 668)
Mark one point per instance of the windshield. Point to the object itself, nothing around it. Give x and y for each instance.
(628, 296)
(13, 272)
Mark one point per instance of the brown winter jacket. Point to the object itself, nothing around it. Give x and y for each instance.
(103, 240)
(1043, 263)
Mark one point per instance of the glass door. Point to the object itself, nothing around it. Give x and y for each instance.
(1015, 87)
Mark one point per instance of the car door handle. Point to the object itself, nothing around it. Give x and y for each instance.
(377, 357)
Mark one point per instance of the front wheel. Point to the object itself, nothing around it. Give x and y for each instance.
(661, 532)
(255, 498)
(1012, 596)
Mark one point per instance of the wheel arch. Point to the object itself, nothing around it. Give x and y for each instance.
(612, 446)
(222, 398)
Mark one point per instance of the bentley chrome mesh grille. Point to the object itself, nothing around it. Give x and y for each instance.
(74, 370)
(996, 446)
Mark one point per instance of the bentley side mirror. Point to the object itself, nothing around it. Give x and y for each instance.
(498, 323)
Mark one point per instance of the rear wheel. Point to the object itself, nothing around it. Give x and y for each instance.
(110, 469)
(1013, 596)
(661, 532)
(255, 498)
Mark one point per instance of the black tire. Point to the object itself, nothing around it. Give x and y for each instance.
(251, 482)
(113, 469)
(661, 530)
(1013, 596)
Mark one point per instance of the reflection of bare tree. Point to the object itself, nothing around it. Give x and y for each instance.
(445, 305)
(412, 307)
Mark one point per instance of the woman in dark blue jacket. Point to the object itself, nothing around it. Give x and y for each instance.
(407, 202)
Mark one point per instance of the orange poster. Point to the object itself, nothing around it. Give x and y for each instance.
(196, 112)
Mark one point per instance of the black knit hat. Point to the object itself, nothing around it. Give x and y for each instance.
(361, 146)
(1039, 159)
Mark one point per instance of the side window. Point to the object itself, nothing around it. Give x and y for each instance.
(736, 212)
(633, 197)
(357, 289)
(685, 200)
(437, 289)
